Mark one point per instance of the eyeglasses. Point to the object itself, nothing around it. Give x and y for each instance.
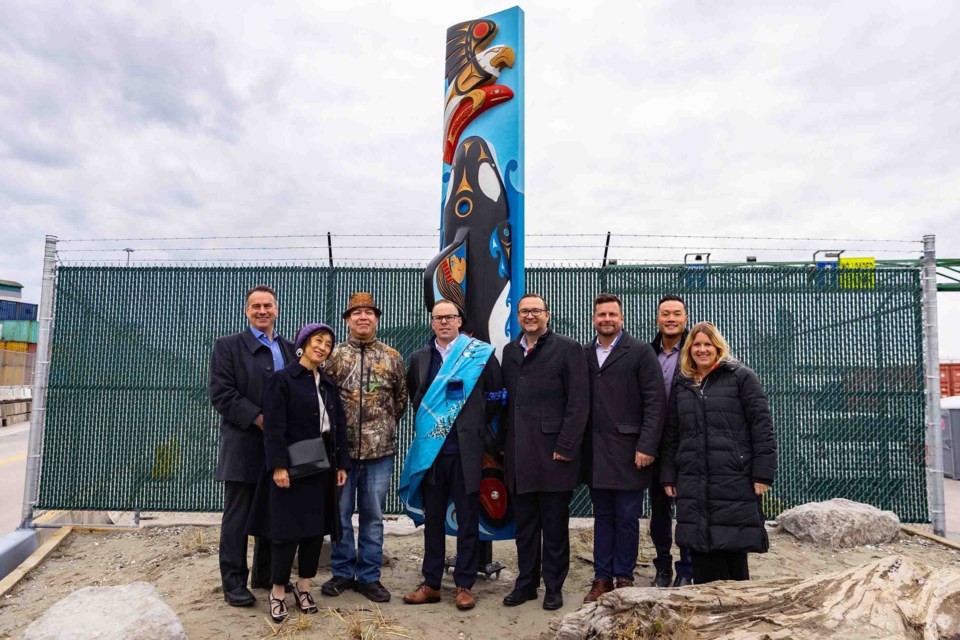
(442, 319)
(530, 312)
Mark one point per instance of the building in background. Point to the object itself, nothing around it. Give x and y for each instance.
(19, 331)
(949, 378)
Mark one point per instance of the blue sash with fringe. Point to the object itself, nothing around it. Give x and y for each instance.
(438, 411)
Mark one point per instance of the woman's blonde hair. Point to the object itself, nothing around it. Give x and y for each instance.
(687, 365)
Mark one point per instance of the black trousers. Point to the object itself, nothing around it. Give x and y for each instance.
(661, 530)
(281, 560)
(543, 539)
(444, 482)
(719, 565)
(237, 499)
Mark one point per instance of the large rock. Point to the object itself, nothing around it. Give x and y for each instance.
(890, 598)
(840, 523)
(132, 611)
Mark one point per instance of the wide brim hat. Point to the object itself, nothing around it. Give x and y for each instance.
(308, 330)
(359, 300)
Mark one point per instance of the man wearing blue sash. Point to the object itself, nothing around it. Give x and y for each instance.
(455, 387)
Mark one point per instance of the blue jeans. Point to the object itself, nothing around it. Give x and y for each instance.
(616, 532)
(366, 491)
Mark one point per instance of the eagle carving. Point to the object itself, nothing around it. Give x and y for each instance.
(471, 70)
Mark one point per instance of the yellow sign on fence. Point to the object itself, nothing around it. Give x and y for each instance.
(864, 278)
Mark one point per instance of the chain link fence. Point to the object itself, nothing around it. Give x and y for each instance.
(129, 424)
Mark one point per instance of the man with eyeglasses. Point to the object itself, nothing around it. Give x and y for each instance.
(454, 384)
(548, 399)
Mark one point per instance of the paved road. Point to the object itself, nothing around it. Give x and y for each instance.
(13, 463)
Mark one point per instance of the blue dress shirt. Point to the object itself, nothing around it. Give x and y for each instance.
(274, 346)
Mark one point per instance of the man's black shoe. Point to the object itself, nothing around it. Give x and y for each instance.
(682, 581)
(552, 601)
(518, 596)
(374, 591)
(239, 597)
(336, 585)
(664, 576)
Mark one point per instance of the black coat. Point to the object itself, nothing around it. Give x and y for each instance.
(719, 440)
(308, 507)
(548, 398)
(473, 418)
(626, 407)
(239, 368)
(657, 344)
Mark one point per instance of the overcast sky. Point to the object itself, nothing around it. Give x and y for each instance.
(773, 119)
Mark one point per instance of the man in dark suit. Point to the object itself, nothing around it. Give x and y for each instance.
(239, 366)
(623, 435)
(548, 399)
(455, 473)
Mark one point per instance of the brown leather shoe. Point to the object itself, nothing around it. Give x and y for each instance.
(422, 595)
(623, 582)
(597, 589)
(465, 599)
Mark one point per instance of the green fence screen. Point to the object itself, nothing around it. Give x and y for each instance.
(129, 424)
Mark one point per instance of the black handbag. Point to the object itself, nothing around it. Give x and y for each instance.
(307, 457)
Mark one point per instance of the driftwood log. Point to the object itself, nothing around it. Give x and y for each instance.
(888, 598)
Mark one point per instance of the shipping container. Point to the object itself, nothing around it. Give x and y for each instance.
(27, 311)
(949, 379)
(9, 310)
(17, 347)
(16, 368)
(13, 310)
(19, 330)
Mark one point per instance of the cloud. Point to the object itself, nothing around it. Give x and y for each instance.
(820, 119)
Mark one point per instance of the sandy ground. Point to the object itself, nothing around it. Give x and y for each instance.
(181, 561)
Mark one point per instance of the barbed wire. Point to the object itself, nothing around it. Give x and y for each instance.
(529, 235)
(434, 248)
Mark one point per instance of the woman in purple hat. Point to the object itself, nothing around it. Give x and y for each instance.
(304, 438)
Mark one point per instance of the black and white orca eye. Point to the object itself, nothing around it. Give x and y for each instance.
(489, 181)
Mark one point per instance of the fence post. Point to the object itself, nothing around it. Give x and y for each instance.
(41, 378)
(932, 387)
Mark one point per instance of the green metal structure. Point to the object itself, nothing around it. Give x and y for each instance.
(129, 424)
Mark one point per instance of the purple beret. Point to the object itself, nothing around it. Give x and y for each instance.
(308, 330)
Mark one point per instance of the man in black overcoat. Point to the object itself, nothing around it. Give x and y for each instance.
(239, 367)
(671, 334)
(623, 435)
(455, 474)
(548, 398)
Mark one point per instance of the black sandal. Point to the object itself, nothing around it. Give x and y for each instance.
(278, 609)
(304, 596)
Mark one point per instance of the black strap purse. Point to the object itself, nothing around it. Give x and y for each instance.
(309, 457)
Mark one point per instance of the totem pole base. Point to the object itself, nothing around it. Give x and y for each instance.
(488, 567)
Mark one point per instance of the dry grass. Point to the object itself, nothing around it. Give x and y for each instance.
(364, 624)
(193, 540)
(661, 623)
(292, 627)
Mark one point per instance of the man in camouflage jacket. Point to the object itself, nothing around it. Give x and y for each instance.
(373, 389)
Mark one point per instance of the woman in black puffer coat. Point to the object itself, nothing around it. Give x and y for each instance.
(718, 456)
